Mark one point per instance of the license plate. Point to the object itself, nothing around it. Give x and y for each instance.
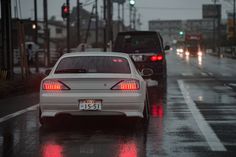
(137, 58)
(90, 105)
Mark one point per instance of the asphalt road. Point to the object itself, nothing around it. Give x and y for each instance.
(194, 115)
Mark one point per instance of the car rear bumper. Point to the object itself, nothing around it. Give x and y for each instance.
(123, 104)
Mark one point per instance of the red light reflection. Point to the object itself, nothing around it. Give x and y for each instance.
(117, 60)
(157, 111)
(128, 150)
(52, 150)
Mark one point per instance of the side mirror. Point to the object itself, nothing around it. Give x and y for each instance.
(47, 72)
(167, 47)
(147, 72)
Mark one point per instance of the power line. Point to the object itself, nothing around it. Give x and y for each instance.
(167, 8)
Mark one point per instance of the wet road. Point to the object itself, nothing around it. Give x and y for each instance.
(194, 115)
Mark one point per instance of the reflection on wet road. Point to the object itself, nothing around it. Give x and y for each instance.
(172, 130)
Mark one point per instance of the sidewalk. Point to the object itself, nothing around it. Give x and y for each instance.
(18, 85)
(223, 54)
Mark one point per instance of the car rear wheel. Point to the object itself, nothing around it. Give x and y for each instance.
(146, 114)
(44, 120)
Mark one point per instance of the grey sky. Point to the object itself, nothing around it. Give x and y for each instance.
(149, 9)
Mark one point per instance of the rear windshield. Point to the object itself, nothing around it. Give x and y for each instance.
(141, 42)
(93, 64)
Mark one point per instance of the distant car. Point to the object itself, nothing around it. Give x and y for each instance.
(146, 49)
(93, 84)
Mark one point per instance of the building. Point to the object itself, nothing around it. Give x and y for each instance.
(170, 29)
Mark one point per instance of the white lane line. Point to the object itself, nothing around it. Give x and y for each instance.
(222, 122)
(7, 117)
(226, 74)
(210, 136)
(211, 74)
(187, 74)
(204, 74)
(151, 83)
(232, 84)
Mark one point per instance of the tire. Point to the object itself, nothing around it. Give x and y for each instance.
(146, 113)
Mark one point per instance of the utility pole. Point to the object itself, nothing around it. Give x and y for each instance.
(130, 17)
(131, 9)
(78, 22)
(89, 25)
(96, 14)
(68, 27)
(110, 23)
(46, 32)
(123, 16)
(214, 28)
(105, 25)
(134, 18)
(234, 24)
(36, 34)
(7, 54)
(118, 16)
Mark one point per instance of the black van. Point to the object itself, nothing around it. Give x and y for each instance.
(146, 49)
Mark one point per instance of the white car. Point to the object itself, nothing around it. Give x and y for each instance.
(93, 84)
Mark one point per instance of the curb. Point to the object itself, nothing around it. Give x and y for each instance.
(10, 88)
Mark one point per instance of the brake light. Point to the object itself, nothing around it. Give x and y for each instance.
(156, 58)
(54, 85)
(127, 85)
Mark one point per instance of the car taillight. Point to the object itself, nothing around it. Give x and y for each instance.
(156, 58)
(54, 85)
(127, 85)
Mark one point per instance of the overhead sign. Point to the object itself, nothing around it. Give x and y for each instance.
(119, 1)
(211, 11)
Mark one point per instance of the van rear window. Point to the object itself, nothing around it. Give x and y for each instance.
(142, 42)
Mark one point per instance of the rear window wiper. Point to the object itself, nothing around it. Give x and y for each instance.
(71, 71)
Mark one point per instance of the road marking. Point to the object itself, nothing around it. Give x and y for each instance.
(187, 74)
(232, 84)
(211, 74)
(7, 117)
(222, 122)
(226, 74)
(210, 136)
(151, 83)
(204, 74)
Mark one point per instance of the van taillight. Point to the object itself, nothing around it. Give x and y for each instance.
(156, 58)
(54, 85)
(127, 85)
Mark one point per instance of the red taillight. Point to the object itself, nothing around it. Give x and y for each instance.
(127, 85)
(54, 85)
(156, 58)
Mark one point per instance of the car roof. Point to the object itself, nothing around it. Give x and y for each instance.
(74, 54)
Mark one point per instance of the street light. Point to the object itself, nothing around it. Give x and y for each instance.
(132, 2)
(33, 26)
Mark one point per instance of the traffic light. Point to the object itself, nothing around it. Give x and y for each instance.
(65, 11)
(181, 33)
(132, 2)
